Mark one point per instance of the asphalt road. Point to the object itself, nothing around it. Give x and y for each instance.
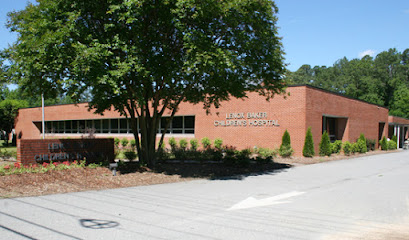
(361, 198)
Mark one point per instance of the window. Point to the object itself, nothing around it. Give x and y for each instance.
(163, 122)
(114, 126)
(189, 124)
(105, 125)
(179, 125)
(97, 126)
(68, 127)
(123, 125)
(74, 126)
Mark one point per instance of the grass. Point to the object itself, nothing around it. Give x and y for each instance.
(10, 149)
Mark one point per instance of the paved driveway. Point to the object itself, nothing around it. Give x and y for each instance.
(362, 198)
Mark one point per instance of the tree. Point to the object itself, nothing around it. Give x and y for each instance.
(285, 148)
(144, 58)
(400, 103)
(8, 112)
(325, 145)
(308, 150)
(382, 80)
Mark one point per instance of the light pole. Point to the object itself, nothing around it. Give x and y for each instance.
(42, 121)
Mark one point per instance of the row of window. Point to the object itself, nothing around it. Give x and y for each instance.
(179, 125)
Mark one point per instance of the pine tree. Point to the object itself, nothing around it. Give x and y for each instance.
(285, 149)
(384, 144)
(362, 143)
(308, 150)
(325, 145)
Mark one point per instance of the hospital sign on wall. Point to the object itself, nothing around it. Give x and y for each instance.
(246, 119)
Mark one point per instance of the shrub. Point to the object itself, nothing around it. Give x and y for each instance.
(355, 147)
(173, 144)
(285, 151)
(183, 144)
(336, 146)
(347, 147)
(325, 145)
(394, 138)
(285, 148)
(194, 144)
(230, 150)
(370, 144)
(308, 149)
(243, 158)
(206, 143)
(266, 152)
(161, 147)
(218, 143)
(5, 154)
(180, 154)
(116, 142)
(361, 145)
(384, 144)
(133, 143)
(392, 145)
(286, 139)
(124, 142)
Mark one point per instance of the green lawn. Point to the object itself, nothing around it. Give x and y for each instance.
(10, 149)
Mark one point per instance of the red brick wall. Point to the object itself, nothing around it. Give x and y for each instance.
(362, 117)
(303, 107)
(31, 151)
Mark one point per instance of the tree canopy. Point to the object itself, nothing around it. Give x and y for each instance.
(146, 57)
(8, 112)
(383, 80)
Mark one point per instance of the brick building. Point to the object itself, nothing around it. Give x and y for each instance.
(249, 123)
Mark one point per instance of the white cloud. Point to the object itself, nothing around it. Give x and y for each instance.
(369, 52)
(406, 11)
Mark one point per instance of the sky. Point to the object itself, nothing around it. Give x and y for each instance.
(315, 32)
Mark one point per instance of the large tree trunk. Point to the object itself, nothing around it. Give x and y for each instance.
(149, 119)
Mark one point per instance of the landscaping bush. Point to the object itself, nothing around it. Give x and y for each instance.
(384, 144)
(194, 144)
(116, 142)
(180, 154)
(133, 143)
(124, 142)
(325, 145)
(394, 138)
(355, 147)
(183, 144)
(5, 154)
(130, 155)
(18, 168)
(218, 143)
(285, 148)
(206, 143)
(243, 158)
(347, 147)
(362, 144)
(392, 145)
(286, 151)
(217, 155)
(266, 152)
(308, 149)
(370, 144)
(336, 146)
(173, 144)
(230, 150)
